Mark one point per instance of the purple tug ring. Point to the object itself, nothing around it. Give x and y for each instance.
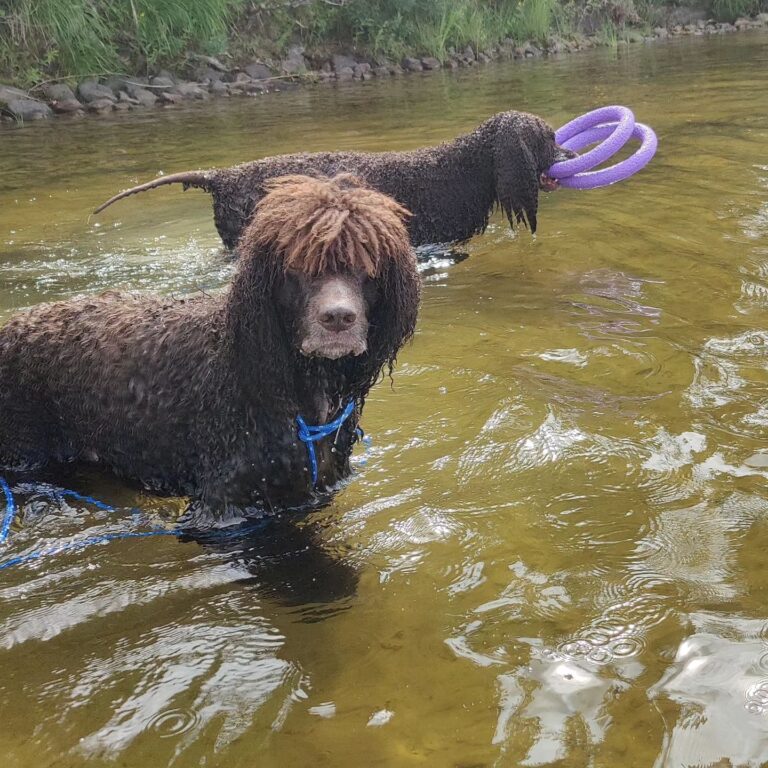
(613, 127)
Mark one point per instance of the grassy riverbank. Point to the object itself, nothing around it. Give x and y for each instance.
(42, 39)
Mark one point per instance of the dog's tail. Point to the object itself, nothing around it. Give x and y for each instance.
(198, 179)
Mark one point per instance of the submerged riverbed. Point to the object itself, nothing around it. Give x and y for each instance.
(554, 551)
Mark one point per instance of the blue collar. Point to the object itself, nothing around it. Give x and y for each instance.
(310, 435)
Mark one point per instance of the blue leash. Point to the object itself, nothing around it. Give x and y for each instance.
(73, 546)
(11, 509)
(310, 435)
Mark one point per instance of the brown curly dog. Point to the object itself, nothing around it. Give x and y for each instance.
(451, 189)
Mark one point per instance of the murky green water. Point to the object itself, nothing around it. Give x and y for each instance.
(555, 553)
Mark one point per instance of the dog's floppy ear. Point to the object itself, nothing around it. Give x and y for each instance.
(517, 175)
(394, 320)
(262, 346)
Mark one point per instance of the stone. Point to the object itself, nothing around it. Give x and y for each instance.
(430, 63)
(166, 75)
(115, 84)
(555, 46)
(745, 23)
(169, 97)
(483, 58)
(192, 91)
(382, 71)
(208, 75)
(122, 106)
(532, 50)
(219, 88)
(162, 84)
(244, 84)
(91, 90)
(345, 73)
(66, 106)
(469, 53)
(28, 109)
(143, 96)
(342, 62)
(9, 93)
(61, 98)
(258, 71)
(507, 48)
(452, 64)
(101, 106)
(57, 92)
(294, 63)
(361, 70)
(211, 61)
(409, 64)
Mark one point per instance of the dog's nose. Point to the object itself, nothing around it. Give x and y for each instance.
(338, 318)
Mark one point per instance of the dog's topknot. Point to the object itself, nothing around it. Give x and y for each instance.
(320, 225)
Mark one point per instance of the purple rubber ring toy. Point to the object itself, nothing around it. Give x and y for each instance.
(612, 126)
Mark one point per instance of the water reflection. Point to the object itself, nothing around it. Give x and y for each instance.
(717, 687)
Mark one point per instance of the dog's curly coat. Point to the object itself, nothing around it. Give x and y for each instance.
(199, 396)
(450, 189)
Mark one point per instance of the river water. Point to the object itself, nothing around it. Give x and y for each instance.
(553, 552)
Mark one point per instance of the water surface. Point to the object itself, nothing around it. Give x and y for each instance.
(554, 553)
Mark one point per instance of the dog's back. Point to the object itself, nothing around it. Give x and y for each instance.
(87, 379)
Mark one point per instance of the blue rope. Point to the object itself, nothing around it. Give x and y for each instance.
(73, 546)
(310, 435)
(87, 499)
(62, 493)
(11, 510)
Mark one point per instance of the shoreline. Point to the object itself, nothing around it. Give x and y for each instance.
(107, 93)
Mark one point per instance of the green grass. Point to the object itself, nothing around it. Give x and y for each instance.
(161, 30)
(608, 35)
(432, 27)
(78, 37)
(40, 32)
(535, 19)
(730, 10)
